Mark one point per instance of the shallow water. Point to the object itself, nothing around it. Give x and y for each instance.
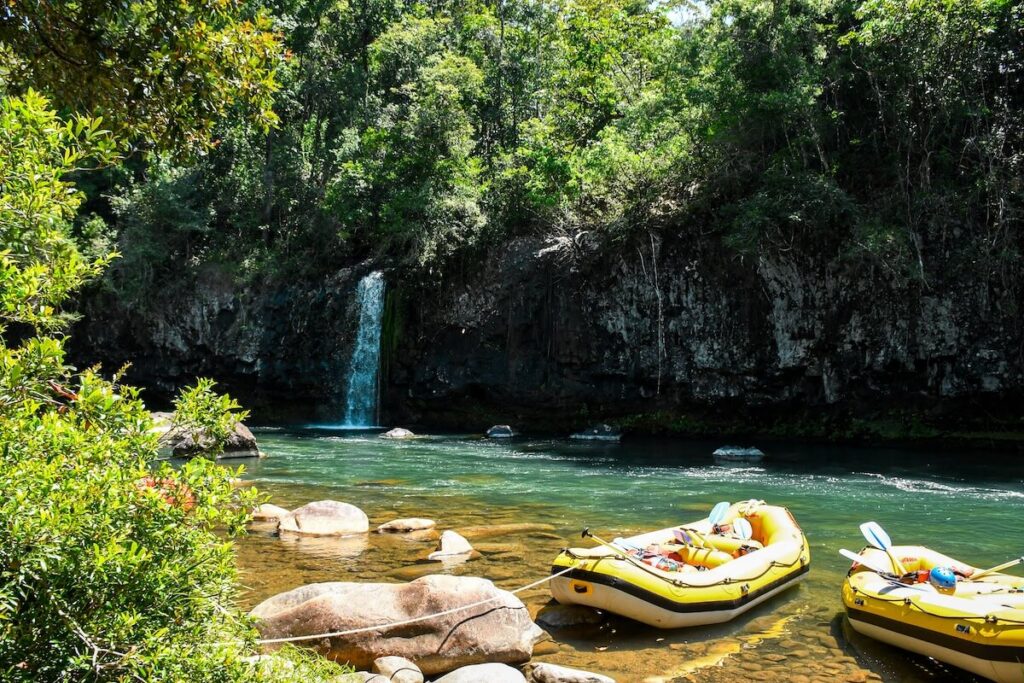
(965, 505)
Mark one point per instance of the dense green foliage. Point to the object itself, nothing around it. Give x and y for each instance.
(886, 132)
(160, 72)
(113, 564)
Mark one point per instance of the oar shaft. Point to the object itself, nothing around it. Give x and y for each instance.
(617, 550)
(997, 568)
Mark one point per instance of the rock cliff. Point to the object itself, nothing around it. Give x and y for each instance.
(682, 334)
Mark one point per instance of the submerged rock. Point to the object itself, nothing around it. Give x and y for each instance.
(483, 673)
(269, 513)
(555, 616)
(501, 432)
(451, 545)
(325, 518)
(492, 530)
(498, 631)
(405, 525)
(552, 673)
(398, 433)
(601, 432)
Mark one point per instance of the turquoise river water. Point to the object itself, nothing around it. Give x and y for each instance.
(966, 505)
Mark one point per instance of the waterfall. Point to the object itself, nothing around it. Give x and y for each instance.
(364, 367)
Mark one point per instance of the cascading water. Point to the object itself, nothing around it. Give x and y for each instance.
(364, 367)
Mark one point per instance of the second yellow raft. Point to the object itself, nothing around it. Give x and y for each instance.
(978, 627)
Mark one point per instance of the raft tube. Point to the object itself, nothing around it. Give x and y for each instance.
(979, 627)
(715, 583)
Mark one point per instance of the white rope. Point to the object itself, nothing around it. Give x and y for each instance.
(381, 627)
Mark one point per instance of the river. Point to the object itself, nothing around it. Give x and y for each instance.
(967, 505)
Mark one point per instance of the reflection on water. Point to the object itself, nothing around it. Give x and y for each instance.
(523, 500)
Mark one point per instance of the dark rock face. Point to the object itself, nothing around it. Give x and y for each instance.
(568, 334)
(544, 330)
(267, 345)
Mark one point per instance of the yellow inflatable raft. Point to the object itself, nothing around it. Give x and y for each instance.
(658, 580)
(978, 626)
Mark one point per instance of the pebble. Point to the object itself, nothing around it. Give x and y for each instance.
(398, 670)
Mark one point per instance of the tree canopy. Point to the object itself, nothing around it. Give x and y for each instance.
(426, 131)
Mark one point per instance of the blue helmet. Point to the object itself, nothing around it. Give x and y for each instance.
(942, 578)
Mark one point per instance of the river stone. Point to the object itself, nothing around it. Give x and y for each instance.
(499, 631)
(501, 432)
(564, 616)
(600, 432)
(552, 673)
(396, 526)
(186, 443)
(325, 518)
(269, 513)
(451, 544)
(398, 433)
(484, 673)
(398, 670)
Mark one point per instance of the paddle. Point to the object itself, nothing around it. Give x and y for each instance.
(877, 537)
(869, 562)
(997, 568)
(741, 527)
(718, 513)
(618, 551)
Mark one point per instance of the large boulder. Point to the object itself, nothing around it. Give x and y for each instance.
(325, 518)
(483, 673)
(184, 443)
(498, 631)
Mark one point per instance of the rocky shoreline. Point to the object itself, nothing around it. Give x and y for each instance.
(458, 629)
(506, 639)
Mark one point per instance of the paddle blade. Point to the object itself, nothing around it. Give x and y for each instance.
(869, 562)
(682, 536)
(743, 529)
(718, 513)
(875, 535)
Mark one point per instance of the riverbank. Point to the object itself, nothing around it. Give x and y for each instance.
(641, 484)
